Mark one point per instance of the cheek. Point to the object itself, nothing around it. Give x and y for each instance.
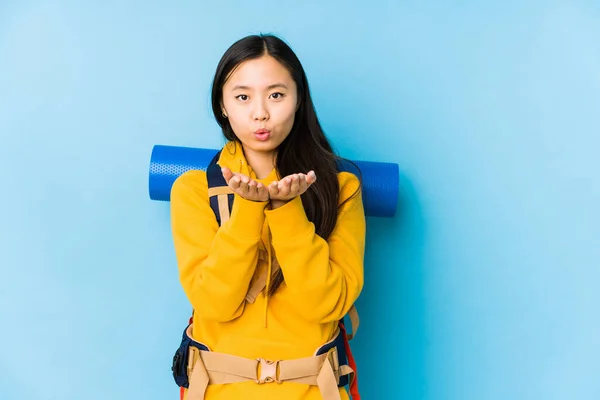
(291, 119)
(230, 106)
(288, 114)
(234, 113)
(236, 125)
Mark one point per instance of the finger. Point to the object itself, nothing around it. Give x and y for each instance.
(295, 184)
(234, 182)
(256, 191)
(267, 193)
(303, 184)
(252, 188)
(244, 183)
(273, 189)
(261, 192)
(311, 177)
(284, 187)
(227, 174)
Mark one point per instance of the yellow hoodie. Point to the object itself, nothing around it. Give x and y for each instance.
(218, 264)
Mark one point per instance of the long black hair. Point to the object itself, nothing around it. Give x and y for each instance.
(305, 148)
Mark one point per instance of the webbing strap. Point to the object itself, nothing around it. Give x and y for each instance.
(219, 193)
(354, 320)
(218, 368)
(261, 281)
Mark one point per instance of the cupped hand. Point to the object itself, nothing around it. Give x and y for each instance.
(244, 186)
(290, 187)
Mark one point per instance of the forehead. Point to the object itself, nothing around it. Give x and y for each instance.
(260, 72)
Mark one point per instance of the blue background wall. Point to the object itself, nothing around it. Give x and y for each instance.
(485, 285)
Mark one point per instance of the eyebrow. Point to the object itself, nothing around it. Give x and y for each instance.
(273, 86)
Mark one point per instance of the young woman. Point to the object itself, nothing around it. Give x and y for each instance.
(270, 276)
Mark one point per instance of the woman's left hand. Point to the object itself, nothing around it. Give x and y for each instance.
(290, 187)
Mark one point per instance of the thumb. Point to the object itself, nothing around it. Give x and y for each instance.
(227, 174)
(311, 177)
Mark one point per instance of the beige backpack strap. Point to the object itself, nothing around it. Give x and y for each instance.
(354, 320)
(327, 383)
(256, 287)
(220, 368)
(198, 376)
(259, 284)
(221, 192)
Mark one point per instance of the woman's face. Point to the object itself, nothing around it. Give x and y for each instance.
(260, 100)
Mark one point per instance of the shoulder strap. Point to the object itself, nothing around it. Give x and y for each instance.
(354, 321)
(219, 194)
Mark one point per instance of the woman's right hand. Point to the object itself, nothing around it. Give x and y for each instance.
(244, 186)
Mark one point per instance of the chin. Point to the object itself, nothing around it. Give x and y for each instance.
(266, 147)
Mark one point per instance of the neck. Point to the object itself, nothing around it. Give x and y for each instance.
(261, 162)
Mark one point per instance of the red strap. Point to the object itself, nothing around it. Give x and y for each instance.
(352, 363)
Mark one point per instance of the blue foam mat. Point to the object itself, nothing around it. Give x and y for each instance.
(167, 163)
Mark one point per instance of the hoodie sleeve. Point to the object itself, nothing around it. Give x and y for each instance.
(326, 276)
(215, 264)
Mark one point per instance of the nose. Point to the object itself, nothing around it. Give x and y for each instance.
(259, 112)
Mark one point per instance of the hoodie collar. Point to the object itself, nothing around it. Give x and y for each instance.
(232, 157)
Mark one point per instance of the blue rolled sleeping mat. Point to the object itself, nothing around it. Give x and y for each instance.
(380, 179)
